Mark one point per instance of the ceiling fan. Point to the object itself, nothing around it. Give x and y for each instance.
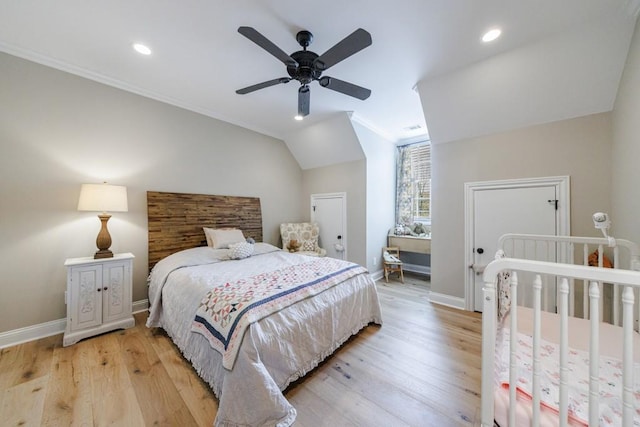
(306, 66)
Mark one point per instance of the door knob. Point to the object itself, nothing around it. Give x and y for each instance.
(480, 251)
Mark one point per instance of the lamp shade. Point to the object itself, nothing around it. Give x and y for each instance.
(103, 198)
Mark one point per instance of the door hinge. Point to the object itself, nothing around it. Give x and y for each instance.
(553, 202)
(314, 208)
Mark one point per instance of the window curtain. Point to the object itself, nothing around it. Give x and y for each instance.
(404, 193)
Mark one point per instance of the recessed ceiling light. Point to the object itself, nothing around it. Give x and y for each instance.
(491, 35)
(298, 117)
(142, 49)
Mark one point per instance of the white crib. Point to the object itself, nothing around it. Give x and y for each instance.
(552, 286)
(575, 250)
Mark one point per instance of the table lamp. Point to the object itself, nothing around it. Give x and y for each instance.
(103, 198)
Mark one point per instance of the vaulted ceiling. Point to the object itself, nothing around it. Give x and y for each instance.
(425, 53)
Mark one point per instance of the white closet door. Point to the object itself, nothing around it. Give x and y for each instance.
(330, 212)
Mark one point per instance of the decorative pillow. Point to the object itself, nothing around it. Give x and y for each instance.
(240, 250)
(221, 238)
(309, 240)
(207, 235)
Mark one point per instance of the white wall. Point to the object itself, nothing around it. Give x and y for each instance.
(58, 131)
(381, 190)
(625, 191)
(580, 148)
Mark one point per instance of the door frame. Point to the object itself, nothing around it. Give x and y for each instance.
(343, 196)
(563, 215)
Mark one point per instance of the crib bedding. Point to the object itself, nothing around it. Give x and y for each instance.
(274, 350)
(611, 339)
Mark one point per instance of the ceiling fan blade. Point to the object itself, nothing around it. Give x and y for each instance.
(304, 98)
(262, 85)
(345, 87)
(253, 35)
(351, 44)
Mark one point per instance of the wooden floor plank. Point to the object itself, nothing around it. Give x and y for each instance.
(22, 404)
(27, 361)
(420, 368)
(68, 400)
(113, 394)
(194, 391)
(157, 395)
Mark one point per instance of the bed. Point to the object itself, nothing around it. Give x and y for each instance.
(550, 367)
(197, 293)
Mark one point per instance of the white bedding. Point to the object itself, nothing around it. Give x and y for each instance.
(611, 339)
(275, 350)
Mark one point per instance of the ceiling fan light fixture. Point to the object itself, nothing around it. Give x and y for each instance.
(142, 49)
(491, 35)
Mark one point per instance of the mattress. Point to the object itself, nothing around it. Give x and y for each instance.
(611, 340)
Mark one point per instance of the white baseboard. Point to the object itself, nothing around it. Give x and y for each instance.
(47, 329)
(447, 300)
(30, 333)
(139, 306)
(377, 275)
(415, 268)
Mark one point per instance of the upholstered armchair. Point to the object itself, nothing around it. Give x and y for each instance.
(302, 238)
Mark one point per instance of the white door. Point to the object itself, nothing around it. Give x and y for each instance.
(330, 212)
(536, 206)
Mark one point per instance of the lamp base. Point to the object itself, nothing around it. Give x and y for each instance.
(103, 254)
(103, 241)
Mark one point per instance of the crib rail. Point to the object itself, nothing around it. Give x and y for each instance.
(627, 279)
(576, 250)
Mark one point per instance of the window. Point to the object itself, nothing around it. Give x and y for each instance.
(413, 193)
(421, 177)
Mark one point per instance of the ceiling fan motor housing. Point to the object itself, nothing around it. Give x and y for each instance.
(305, 72)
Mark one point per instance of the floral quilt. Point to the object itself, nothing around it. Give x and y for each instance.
(578, 379)
(227, 310)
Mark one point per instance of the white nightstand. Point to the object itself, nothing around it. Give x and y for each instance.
(98, 296)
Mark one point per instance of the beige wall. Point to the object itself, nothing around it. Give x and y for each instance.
(580, 148)
(58, 131)
(349, 178)
(625, 188)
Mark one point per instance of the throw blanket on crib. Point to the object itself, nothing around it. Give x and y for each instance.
(578, 380)
(226, 311)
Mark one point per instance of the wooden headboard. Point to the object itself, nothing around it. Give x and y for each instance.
(175, 220)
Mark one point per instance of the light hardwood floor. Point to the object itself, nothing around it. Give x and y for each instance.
(420, 368)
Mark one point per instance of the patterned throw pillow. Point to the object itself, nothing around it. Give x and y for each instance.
(240, 250)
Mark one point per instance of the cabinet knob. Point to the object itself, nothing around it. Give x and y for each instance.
(99, 289)
(105, 288)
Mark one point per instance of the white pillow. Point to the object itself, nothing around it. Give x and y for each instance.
(221, 238)
(240, 250)
(207, 236)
